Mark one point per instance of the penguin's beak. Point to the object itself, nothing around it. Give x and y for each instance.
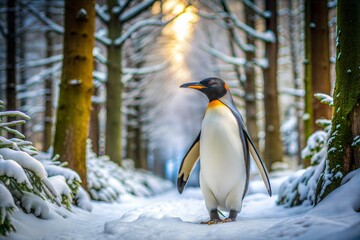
(194, 85)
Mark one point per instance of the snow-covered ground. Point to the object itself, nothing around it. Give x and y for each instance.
(174, 216)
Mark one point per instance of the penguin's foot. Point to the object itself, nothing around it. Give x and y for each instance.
(211, 222)
(227, 220)
(214, 217)
(232, 217)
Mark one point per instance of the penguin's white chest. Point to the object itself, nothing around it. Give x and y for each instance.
(221, 153)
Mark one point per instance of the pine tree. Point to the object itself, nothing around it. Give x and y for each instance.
(73, 114)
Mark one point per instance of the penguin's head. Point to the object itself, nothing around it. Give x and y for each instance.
(214, 88)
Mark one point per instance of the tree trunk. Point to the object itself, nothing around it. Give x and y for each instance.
(273, 145)
(48, 119)
(73, 114)
(343, 150)
(308, 111)
(22, 54)
(320, 58)
(11, 58)
(250, 84)
(94, 131)
(114, 90)
(317, 68)
(294, 65)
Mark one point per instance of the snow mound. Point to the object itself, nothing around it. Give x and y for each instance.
(109, 182)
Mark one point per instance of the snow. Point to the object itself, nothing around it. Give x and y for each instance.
(6, 200)
(174, 216)
(24, 160)
(75, 82)
(324, 98)
(100, 11)
(267, 36)
(12, 169)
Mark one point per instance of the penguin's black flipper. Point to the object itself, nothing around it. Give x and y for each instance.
(259, 163)
(188, 164)
(247, 142)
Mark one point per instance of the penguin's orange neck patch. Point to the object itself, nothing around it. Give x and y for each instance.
(215, 103)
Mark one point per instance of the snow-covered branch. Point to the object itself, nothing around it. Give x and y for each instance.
(252, 6)
(99, 76)
(223, 57)
(98, 56)
(292, 92)
(136, 10)
(146, 70)
(267, 36)
(42, 62)
(148, 22)
(101, 13)
(121, 8)
(53, 26)
(56, 27)
(39, 77)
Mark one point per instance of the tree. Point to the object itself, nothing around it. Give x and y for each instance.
(73, 114)
(11, 57)
(114, 89)
(48, 118)
(293, 29)
(343, 153)
(317, 63)
(273, 145)
(250, 86)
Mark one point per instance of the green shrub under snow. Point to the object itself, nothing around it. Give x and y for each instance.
(28, 185)
(301, 188)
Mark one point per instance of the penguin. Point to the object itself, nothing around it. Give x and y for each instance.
(223, 147)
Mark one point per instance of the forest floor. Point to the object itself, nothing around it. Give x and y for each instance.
(174, 216)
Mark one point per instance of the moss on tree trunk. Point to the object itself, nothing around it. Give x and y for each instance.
(342, 156)
(76, 86)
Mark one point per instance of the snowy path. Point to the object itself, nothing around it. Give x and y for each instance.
(174, 216)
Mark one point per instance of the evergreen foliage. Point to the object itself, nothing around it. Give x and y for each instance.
(301, 189)
(26, 183)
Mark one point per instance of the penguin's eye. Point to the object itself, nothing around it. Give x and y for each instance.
(211, 82)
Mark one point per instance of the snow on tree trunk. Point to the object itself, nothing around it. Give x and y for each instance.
(114, 90)
(250, 86)
(11, 57)
(76, 87)
(273, 145)
(343, 144)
